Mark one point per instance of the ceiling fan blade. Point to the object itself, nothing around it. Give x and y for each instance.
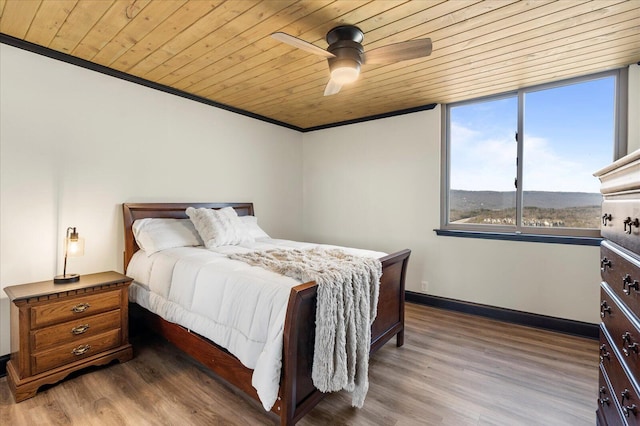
(332, 88)
(397, 52)
(301, 44)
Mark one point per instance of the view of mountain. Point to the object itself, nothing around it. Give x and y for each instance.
(494, 200)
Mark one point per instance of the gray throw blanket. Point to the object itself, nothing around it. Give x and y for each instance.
(346, 307)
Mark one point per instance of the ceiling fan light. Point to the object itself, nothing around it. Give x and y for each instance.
(345, 74)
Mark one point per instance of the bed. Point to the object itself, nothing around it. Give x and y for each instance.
(297, 394)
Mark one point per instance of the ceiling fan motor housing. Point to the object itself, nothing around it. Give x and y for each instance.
(348, 54)
(345, 43)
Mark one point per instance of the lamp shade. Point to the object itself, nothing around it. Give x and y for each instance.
(75, 246)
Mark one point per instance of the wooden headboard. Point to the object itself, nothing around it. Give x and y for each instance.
(133, 211)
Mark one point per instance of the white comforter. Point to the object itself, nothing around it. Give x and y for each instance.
(240, 307)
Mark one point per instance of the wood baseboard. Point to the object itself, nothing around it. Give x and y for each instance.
(576, 328)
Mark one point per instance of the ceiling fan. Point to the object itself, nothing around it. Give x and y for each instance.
(345, 53)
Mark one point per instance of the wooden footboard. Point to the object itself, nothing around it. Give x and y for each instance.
(297, 394)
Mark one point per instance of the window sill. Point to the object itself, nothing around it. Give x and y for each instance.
(533, 238)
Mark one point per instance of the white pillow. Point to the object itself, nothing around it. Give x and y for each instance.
(220, 227)
(251, 222)
(153, 235)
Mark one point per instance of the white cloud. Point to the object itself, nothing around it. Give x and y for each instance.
(488, 162)
(480, 162)
(545, 170)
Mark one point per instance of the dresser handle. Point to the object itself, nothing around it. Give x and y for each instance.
(631, 222)
(80, 349)
(80, 307)
(80, 329)
(628, 284)
(606, 218)
(602, 393)
(624, 395)
(604, 264)
(626, 341)
(629, 408)
(631, 348)
(604, 353)
(604, 308)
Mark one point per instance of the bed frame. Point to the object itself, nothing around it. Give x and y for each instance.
(297, 395)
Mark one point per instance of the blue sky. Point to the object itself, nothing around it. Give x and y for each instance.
(569, 135)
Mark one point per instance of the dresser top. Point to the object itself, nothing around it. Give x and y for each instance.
(621, 176)
(629, 158)
(45, 288)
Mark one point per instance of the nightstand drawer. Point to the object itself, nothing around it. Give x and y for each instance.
(76, 330)
(74, 351)
(73, 308)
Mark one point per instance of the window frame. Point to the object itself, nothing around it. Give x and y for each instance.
(519, 232)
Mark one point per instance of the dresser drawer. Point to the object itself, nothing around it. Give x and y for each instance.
(622, 272)
(74, 307)
(74, 351)
(76, 330)
(617, 228)
(624, 332)
(607, 402)
(622, 388)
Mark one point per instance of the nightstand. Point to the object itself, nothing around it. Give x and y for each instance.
(57, 329)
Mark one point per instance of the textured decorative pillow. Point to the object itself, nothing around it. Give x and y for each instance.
(220, 227)
(251, 222)
(153, 235)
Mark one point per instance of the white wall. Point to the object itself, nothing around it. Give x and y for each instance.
(633, 123)
(377, 185)
(372, 185)
(76, 144)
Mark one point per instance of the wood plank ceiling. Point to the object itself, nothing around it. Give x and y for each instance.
(222, 50)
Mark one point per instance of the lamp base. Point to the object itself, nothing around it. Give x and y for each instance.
(66, 279)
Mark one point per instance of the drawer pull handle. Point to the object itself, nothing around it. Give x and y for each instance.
(606, 218)
(604, 264)
(628, 284)
(80, 329)
(80, 307)
(82, 349)
(631, 222)
(631, 348)
(603, 400)
(604, 353)
(604, 308)
(624, 395)
(626, 409)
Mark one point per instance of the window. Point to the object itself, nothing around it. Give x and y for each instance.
(522, 163)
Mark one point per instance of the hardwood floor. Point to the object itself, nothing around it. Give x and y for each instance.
(454, 369)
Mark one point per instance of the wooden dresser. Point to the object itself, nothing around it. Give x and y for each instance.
(60, 328)
(619, 386)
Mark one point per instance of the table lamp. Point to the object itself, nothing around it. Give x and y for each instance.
(73, 247)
